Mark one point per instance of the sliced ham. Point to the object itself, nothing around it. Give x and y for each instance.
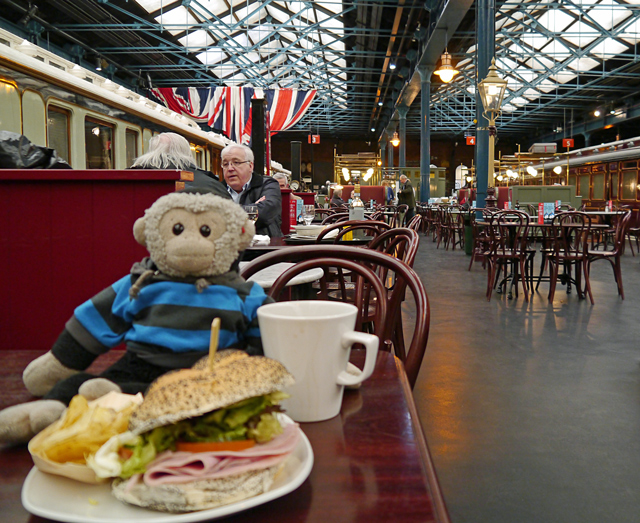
(182, 467)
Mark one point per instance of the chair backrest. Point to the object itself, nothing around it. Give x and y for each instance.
(402, 243)
(390, 332)
(622, 225)
(368, 227)
(508, 232)
(571, 233)
(336, 217)
(416, 223)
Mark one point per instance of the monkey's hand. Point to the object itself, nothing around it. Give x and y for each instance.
(43, 373)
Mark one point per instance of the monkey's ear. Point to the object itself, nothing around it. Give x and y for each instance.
(138, 231)
(248, 231)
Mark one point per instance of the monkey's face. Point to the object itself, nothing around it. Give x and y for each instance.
(189, 239)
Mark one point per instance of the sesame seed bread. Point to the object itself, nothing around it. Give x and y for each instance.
(197, 495)
(193, 392)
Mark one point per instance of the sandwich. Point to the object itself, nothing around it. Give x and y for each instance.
(203, 437)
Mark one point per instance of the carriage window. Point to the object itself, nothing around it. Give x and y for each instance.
(199, 153)
(58, 131)
(614, 186)
(598, 186)
(629, 180)
(98, 137)
(131, 144)
(584, 187)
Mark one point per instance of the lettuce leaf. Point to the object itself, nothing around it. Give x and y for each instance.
(248, 419)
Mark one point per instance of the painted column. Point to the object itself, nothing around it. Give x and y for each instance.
(390, 151)
(383, 149)
(425, 132)
(402, 114)
(485, 45)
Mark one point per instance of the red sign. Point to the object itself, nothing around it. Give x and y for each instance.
(314, 138)
(471, 140)
(567, 142)
(541, 213)
(293, 214)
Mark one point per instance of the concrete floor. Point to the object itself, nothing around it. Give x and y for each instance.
(532, 410)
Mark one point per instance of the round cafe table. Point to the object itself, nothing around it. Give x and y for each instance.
(267, 276)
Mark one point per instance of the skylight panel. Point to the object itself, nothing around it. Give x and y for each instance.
(608, 49)
(546, 86)
(580, 34)
(518, 101)
(211, 56)
(632, 33)
(531, 94)
(557, 50)
(277, 13)
(526, 74)
(613, 18)
(238, 43)
(216, 7)
(583, 64)
(540, 63)
(259, 33)
(337, 45)
(252, 57)
(563, 77)
(150, 6)
(508, 108)
(536, 41)
(555, 20)
(196, 40)
(177, 20)
(222, 71)
(335, 6)
(237, 78)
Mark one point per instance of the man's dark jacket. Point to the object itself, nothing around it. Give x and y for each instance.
(270, 209)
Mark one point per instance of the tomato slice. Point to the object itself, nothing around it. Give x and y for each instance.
(214, 446)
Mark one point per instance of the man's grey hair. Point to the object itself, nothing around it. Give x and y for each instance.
(281, 176)
(167, 151)
(403, 176)
(248, 153)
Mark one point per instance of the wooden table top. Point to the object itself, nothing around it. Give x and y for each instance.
(371, 463)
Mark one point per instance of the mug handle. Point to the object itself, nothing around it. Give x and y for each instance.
(370, 343)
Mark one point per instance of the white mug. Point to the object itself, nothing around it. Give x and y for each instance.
(313, 339)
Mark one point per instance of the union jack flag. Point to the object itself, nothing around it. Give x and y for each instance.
(229, 108)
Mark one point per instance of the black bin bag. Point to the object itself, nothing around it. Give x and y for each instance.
(17, 152)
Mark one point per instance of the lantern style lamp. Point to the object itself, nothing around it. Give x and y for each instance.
(395, 141)
(491, 91)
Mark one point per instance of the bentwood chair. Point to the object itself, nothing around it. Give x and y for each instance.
(613, 255)
(406, 284)
(455, 228)
(416, 223)
(633, 230)
(340, 216)
(508, 237)
(570, 246)
(369, 228)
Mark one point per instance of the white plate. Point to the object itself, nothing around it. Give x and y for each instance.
(64, 499)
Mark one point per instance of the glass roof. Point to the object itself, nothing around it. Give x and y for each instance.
(554, 55)
(263, 44)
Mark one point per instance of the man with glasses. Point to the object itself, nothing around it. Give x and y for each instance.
(247, 187)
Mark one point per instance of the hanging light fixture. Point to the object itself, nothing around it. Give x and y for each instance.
(446, 71)
(346, 174)
(395, 141)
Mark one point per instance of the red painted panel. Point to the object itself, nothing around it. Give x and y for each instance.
(63, 240)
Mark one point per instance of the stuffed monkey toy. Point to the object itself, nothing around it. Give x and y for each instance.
(163, 311)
